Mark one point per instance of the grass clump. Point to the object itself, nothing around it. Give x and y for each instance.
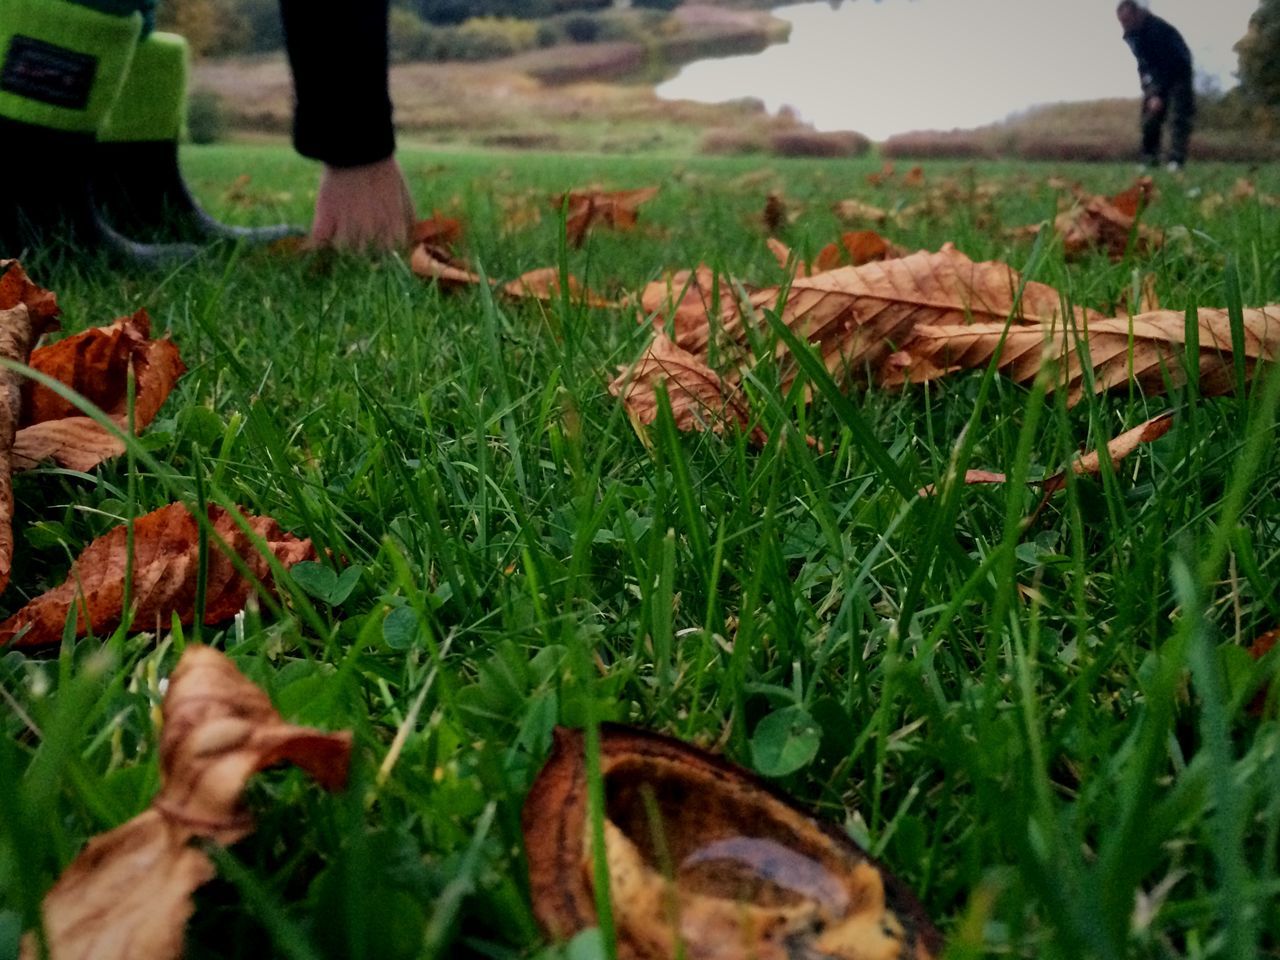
(1043, 731)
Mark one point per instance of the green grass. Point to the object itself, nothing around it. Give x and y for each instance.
(1031, 727)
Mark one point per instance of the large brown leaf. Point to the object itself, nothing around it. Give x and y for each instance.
(26, 310)
(127, 896)
(1149, 349)
(95, 363)
(857, 316)
(707, 862)
(1110, 224)
(165, 566)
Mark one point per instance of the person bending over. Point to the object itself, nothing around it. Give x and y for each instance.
(1165, 70)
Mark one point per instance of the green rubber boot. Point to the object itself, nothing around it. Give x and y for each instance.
(137, 182)
(62, 66)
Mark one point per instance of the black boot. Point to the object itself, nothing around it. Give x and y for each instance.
(139, 189)
(47, 208)
(137, 182)
(61, 68)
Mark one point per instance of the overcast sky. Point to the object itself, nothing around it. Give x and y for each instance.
(883, 68)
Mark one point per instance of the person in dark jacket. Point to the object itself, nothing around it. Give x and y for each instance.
(92, 99)
(1165, 70)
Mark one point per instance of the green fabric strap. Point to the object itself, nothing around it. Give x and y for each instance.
(122, 8)
(152, 103)
(61, 64)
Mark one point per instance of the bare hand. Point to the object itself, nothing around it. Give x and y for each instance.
(361, 208)
(1154, 104)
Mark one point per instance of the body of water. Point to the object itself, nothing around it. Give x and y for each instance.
(888, 67)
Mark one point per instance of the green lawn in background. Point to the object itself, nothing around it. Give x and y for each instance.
(1043, 732)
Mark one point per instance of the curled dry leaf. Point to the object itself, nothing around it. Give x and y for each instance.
(1105, 223)
(452, 273)
(26, 310)
(592, 207)
(96, 363)
(1087, 464)
(166, 560)
(436, 263)
(544, 284)
(706, 861)
(856, 247)
(127, 896)
(436, 230)
(1149, 349)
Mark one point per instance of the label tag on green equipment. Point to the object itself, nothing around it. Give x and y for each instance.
(41, 71)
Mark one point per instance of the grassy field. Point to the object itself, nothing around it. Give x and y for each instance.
(1043, 732)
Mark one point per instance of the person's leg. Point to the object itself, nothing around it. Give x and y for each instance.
(137, 182)
(1182, 106)
(1152, 128)
(62, 65)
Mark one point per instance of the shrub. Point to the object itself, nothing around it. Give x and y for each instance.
(812, 143)
(657, 4)
(582, 29)
(206, 120)
(733, 141)
(488, 38)
(408, 38)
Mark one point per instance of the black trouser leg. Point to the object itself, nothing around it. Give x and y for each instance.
(1182, 105)
(1152, 128)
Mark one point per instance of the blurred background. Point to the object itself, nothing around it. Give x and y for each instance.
(1036, 79)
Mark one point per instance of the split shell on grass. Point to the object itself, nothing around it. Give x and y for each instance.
(706, 857)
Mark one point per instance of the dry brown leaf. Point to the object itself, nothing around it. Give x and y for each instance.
(1137, 198)
(26, 311)
(166, 560)
(699, 399)
(1090, 464)
(437, 230)
(856, 211)
(436, 263)
(1086, 465)
(775, 215)
(881, 177)
(1148, 349)
(913, 177)
(856, 247)
(127, 896)
(592, 207)
(544, 284)
(96, 364)
(687, 305)
(856, 316)
(752, 877)
(1259, 649)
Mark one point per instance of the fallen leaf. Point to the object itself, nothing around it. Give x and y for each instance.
(1090, 464)
(685, 305)
(1137, 198)
(1086, 465)
(1149, 349)
(913, 177)
(775, 213)
(1259, 649)
(699, 399)
(26, 310)
(856, 211)
(436, 263)
(856, 316)
(436, 230)
(96, 364)
(971, 478)
(592, 207)
(881, 177)
(544, 284)
(705, 861)
(856, 247)
(127, 896)
(166, 560)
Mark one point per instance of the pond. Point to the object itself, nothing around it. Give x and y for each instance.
(888, 67)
